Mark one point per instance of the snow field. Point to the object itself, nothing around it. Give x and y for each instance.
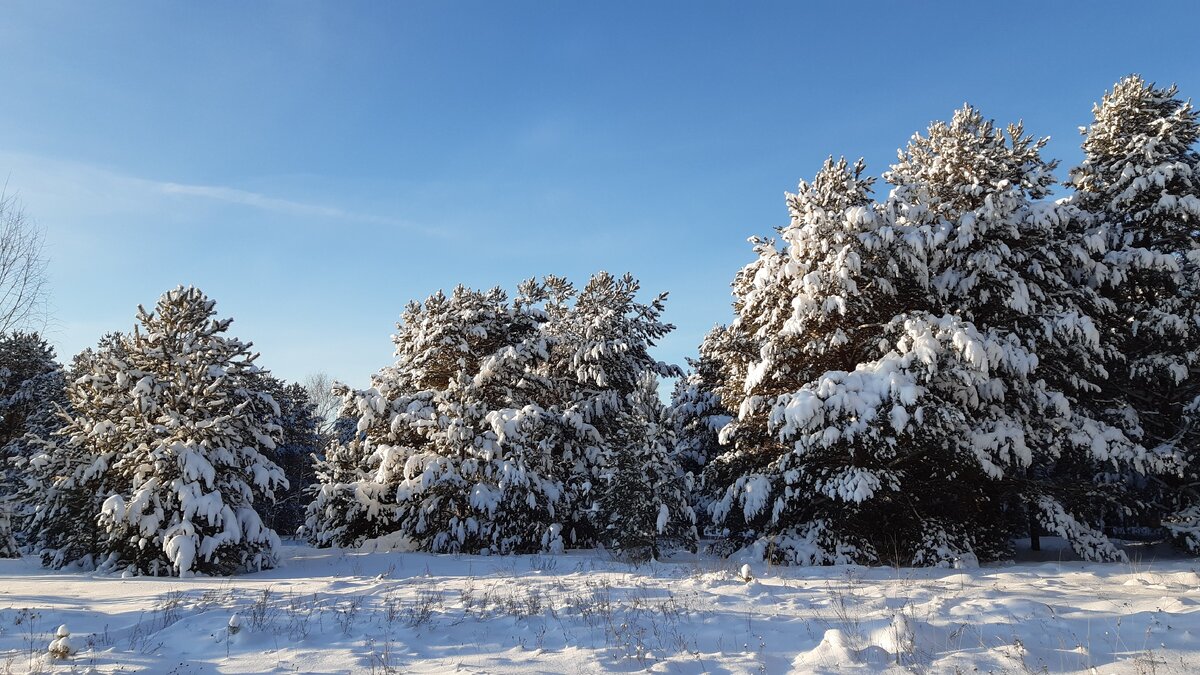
(330, 611)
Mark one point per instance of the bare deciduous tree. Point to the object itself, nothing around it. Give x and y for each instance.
(320, 391)
(22, 268)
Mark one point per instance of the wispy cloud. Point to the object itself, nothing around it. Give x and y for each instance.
(268, 203)
(62, 182)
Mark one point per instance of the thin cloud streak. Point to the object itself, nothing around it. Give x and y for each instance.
(268, 203)
(98, 187)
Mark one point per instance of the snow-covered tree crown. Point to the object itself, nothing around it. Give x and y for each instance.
(959, 164)
(1141, 162)
(446, 336)
(836, 188)
(604, 334)
(184, 321)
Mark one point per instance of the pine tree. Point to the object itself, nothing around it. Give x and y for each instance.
(452, 450)
(848, 443)
(488, 432)
(1002, 257)
(64, 481)
(31, 388)
(300, 440)
(8, 542)
(168, 429)
(697, 417)
(1140, 179)
(697, 414)
(346, 506)
(599, 341)
(643, 491)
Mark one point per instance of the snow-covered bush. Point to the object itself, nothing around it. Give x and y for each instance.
(62, 646)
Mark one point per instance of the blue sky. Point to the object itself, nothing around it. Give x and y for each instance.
(314, 166)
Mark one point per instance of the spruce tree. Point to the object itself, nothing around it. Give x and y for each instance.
(1140, 180)
(168, 429)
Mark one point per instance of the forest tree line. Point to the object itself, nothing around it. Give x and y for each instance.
(915, 375)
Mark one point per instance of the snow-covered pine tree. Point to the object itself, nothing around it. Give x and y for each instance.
(168, 429)
(300, 441)
(452, 450)
(1140, 178)
(1003, 258)
(697, 417)
(599, 341)
(644, 493)
(64, 481)
(487, 432)
(344, 429)
(848, 443)
(32, 387)
(8, 542)
(349, 507)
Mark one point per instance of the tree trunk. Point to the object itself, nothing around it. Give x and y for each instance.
(1035, 532)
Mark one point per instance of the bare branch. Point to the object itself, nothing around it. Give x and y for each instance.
(319, 386)
(23, 285)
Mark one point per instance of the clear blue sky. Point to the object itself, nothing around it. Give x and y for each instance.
(314, 166)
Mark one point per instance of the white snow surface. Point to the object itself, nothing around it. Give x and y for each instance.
(378, 610)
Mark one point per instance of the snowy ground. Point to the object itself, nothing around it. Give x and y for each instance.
(329, 611)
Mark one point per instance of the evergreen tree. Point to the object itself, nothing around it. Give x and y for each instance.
(1140, 179)
(644, 493)
(344, 429)
(599, 341)
(301, 439)
(452, 450)
(1001, 256)
(64, 485)
(31, 388)
(848, 443)
(490, 431)
(345, 509)
(8, 543)
(697, 417)
(167, 432)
